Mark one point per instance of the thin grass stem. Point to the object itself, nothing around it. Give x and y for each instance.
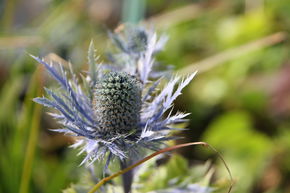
(220, 58)
(104, 180)
(33, 135)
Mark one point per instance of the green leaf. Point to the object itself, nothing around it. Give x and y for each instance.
(76, 188)
(245, 149)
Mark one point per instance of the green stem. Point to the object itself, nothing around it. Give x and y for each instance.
(133, 11)
(32, 141)
(127, 178)
(104, 180)
(225, 56)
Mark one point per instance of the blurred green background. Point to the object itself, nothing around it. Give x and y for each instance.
(239, 101)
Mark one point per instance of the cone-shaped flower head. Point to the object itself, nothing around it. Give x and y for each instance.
(117, 103)
(117, 110)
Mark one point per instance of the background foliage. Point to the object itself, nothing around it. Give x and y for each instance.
(239, 101)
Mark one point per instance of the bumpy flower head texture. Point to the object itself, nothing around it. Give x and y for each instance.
(117, 111)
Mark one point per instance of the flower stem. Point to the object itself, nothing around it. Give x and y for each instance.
(127, 178)
(104, 180)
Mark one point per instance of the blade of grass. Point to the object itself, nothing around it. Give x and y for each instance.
(173, 17)
(36, 83)
(8, 122)
(221, 58)
(104, 180)
(9, 94)
(181, 14)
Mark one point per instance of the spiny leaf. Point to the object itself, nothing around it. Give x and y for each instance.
(92, 59)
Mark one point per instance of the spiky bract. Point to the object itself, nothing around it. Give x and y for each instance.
(121, 112)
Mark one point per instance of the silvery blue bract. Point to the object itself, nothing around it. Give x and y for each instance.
(117, 110)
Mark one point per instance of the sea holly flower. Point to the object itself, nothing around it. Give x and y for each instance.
(117, 111)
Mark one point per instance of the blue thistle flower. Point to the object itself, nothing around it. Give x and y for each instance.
(117, 110)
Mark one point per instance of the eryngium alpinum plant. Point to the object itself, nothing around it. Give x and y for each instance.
(117, 111)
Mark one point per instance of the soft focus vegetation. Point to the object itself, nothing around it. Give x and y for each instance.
(239, 101)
